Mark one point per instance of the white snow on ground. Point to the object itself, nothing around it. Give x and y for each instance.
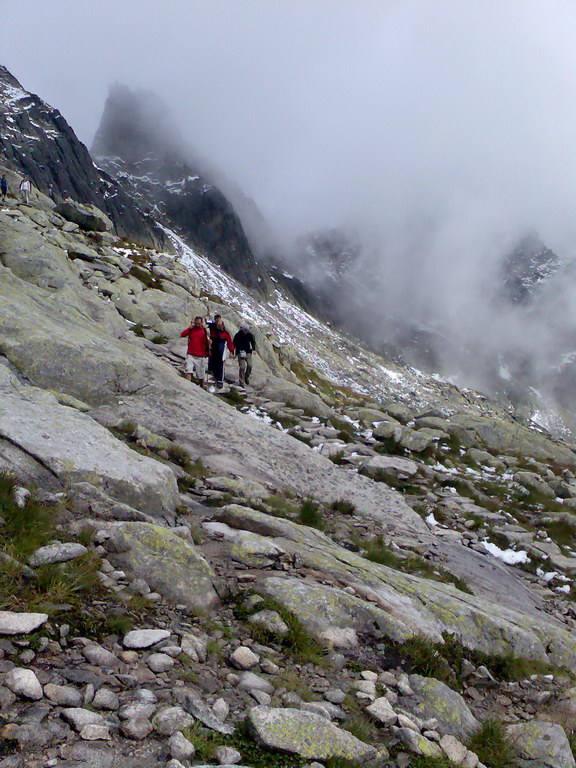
(431, 520)
(441, 468)
(509, 556)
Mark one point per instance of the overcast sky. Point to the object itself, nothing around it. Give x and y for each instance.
(439, 130)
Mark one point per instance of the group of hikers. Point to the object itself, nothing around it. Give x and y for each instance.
(25, 188)
(209, 347)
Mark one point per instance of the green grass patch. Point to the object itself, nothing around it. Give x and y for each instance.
(206, 741)
(430, 762)
(562, 531)
(337, 458)
(297, 641)
(233, 397)
(444, 661)
(138, 329)
(310, 514)
(492, 745)
(377, 551)
(159, 339)
(343, 507)
(145, 276)
(280, 506)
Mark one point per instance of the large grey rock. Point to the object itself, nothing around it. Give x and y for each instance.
(395, 465)
(507, 437)
(179, 746)
(14, 623)
(433, 698)
(277, 389)
(389, 429)
(75, 448)
(79, 718)
(49, 268)
(194, 704)
(87, 217)
(417, 743)
(169, 720)
(255, 551)
(532, 481)
(144, 638)
(171, 566)
(63, 695)
(420, 440)
(306, 734)
(56, 553)
(539, 744)
(23, 682)
(381, 710)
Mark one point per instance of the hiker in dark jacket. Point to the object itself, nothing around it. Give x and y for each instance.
(244, 345)
(3, 186)
(198, 350)
(221, 346)
(211, 324)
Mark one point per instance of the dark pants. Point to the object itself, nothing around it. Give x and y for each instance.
(216, 366)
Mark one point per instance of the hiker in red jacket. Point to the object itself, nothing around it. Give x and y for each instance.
(198, 350)
(221, 346)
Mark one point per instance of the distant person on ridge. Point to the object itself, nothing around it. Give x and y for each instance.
(198, 351)
(244, 345)
(4, 186)
(221, 346)
(25, 189)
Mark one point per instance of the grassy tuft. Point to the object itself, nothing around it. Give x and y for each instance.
(233, 397)
(206, 742)
(297, 641)
(492, 745)
(310, 514)
(377, 551)
(343, 506)
(280, 506)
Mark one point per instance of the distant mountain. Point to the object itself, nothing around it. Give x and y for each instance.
(35, 140)
(138, 143)
(526, 267)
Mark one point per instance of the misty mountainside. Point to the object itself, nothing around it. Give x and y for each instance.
(138, 143)
(350, 563)
(332, 275)
(35, 140)
(526, 267)
(518, 346)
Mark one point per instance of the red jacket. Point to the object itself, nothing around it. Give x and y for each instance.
(197, 341)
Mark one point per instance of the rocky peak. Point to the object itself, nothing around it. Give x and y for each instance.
(529, 264)
(138, 143)
(35, 140)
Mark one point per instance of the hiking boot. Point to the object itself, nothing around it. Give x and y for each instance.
(220, 384)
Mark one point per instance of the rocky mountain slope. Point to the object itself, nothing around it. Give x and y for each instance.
(348, 564)
(35, 140)
(303, 573)
(138, 144)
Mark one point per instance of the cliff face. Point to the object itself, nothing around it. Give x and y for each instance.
(138, 144)
(36, 141)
